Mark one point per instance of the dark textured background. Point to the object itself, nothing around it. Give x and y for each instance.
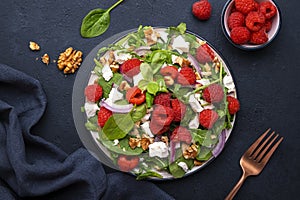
(267, 82)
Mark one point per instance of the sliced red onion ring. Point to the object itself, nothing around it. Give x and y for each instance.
(116, 108)
(172, 151)
(194, 62)
(142, 50)
(127, 78)
(219, 147)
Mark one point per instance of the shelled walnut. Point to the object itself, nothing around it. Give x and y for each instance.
(34, 46)
(69, 61)
(190, 152)
(46, 59)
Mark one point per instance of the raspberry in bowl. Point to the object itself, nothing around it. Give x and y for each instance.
(250, 24)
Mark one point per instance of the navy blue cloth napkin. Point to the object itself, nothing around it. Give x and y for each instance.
(33, 168)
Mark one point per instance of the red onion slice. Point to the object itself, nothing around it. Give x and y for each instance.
(219, 147)
(142, 50)
(194, 62)
(116, 108)
(172, 151)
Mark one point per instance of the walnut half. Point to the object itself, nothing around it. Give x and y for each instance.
(190, 152)
(69, 61)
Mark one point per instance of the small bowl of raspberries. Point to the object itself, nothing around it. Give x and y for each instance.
(250, 24)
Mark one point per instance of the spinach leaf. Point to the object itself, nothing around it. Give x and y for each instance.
(96, 22)
(92, 124)
(176, 170)
(146, 71)
(204, 154)
(139, 112)
(107, 85)
(148, 174)
(152, 88)
(118, 126)
(149, 99)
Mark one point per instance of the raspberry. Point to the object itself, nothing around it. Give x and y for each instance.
(131, 67)
(259, 37)
(93, 92)
(186, 76)
(158, 129)
(169, 71)
(127, 163)
(207, 118)
(163, 99)
(162, 115)
(213, 93)
(255, 21)
(103, 115)
(233, 105)
(179, 109)
(268, 25)
(245, 6)
(205, 54)
(202, 9)
(236, 19)
(240, 35)
(135, 95)
(181, 134)
(267, 9)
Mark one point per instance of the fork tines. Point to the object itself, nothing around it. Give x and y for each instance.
(262, 149)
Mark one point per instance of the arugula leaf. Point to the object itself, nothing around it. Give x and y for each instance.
(96, 22)
(118, 126)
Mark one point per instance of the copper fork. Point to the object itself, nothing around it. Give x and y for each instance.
(255, 158)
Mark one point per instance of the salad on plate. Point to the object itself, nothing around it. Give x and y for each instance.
(160, 102)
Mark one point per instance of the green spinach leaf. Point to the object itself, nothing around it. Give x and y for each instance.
(107, 85)
(139, 112)
(96, 22)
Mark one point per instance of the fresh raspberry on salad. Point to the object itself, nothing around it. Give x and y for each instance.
(158, 129)
(205, 54)
(186, 76)
(207, 118)
(162, 115)
(93, 92)
(179, 109)
(103, 115)
(163, 98)
(202, 9)
(236, 19)
(259, 37)
(255, 21)
(181, 134)
(267, 9)
(245, 6)
(131, 67)
(233, 105)
(135, 96)
(240, 35)
(127, 163)
(214, 93)
(169, 71)
(268, 25)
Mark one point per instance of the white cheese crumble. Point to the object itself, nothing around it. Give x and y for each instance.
(183, 165)
(203, 81)
(195, 104)
(116, 142)
(194, 123)
(107, 73)
(146, 127)
(137, 78)
(180, 44)
(158, 149)
(121, 57)
(163, 35)
(228, 83)
(90, 109)
(114, 96)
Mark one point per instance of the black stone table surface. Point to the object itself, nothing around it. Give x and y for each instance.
(267, 82)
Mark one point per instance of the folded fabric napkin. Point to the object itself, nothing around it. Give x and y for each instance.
(33, 168)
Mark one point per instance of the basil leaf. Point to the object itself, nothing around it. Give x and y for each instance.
(96, 22)
(118, 126)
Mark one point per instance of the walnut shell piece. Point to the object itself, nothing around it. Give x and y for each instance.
(34, 46)
(69, 60)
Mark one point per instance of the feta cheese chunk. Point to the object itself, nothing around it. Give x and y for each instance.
(194, 123)
(163, 35)
(203, 81)
(180, 44)
(137, 78)
(158, 149)
(195, 104)
(183, 165)
(116, 142)
(146, 128)
(228, 83)
(114, 96)
(107, 73)
(90, 109)
(121, 57)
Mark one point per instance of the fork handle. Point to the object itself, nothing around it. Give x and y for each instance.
(236, 187)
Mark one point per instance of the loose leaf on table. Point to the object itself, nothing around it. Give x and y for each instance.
(96, 22)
